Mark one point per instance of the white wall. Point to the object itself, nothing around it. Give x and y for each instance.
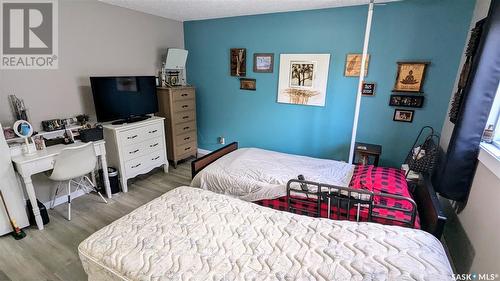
(94, 39)
(480, 220)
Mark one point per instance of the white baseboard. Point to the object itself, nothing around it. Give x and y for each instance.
(62, 199)
(203, 152)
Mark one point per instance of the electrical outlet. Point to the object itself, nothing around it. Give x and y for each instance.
(222, 140)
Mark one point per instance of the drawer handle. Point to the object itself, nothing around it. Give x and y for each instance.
(132, 137)
(185, 117)
(187, 148)
(152, 132)
(184, 95)
(185, 106)
(186, 128)
(153, 145)
(135, 151)
(135, 166)
(186, 138)
(156, 158)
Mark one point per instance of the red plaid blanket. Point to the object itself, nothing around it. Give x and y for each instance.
(375, 179)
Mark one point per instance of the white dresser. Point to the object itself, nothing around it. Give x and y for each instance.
(136, 148)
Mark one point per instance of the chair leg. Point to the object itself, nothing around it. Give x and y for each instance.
(69, 200)
(95, 189)
(55, 196)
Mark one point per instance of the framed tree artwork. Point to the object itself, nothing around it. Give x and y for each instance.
(303, 78)
(238, 64)
(410, 77)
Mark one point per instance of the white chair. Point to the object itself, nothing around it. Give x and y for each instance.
(75, 163)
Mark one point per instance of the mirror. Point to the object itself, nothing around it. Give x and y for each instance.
(23, 129)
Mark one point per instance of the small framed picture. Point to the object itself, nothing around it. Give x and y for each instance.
(238, 62)
(403, 115)
(410, 77)
(263, 62)
(368, 89)
(353, 65)
(248, 84)
(407, 101)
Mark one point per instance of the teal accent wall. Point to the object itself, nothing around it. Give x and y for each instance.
(410, 30)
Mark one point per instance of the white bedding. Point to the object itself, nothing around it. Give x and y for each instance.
(192, 234)
(254, 174)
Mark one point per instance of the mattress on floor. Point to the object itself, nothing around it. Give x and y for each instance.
(193, 234)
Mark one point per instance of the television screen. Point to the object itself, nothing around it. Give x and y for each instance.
(123, 97)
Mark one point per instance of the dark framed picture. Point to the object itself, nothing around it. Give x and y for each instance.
(410, 77)
(368, 89)
(238, 62)
(407, 101)
(403, 115)
(248, 84)
(263, 62)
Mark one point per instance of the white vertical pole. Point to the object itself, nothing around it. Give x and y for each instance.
(361, 78)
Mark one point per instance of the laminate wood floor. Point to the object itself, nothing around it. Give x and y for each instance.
(51, 254)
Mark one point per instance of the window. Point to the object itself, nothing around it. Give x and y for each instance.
(494, 119)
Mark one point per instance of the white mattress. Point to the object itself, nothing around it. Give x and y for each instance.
(192, 234)
(254, 174)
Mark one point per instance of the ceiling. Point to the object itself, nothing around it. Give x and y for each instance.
(185, 10)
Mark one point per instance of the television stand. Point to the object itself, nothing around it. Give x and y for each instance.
(129, 120)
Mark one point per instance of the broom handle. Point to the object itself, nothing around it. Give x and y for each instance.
(7, 211)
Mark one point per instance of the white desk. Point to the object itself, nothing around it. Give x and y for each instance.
(43, 161)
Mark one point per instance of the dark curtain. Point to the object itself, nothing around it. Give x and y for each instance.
(454, 177)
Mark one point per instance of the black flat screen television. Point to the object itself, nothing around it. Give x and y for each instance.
(124, 97)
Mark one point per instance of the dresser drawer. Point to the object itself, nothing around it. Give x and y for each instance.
(184, 105)
(153, 145)
(184, 128)
(185, 149)
(139, 149)
(185, 138)
(185, 116)
(144, 163)
(140, 134)
(133, 151)
(182, 94)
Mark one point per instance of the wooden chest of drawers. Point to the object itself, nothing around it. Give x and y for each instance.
(178, 106)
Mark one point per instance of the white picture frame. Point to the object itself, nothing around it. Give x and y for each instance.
(303, 79)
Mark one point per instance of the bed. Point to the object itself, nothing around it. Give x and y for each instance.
(193, 234)
(261, 176)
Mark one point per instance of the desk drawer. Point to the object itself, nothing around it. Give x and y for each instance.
(184, 116)
(182, 94)
(185, 138)
(144, 163)
(140, 134)
(184, 105)
(136, 150)
(184, 128)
